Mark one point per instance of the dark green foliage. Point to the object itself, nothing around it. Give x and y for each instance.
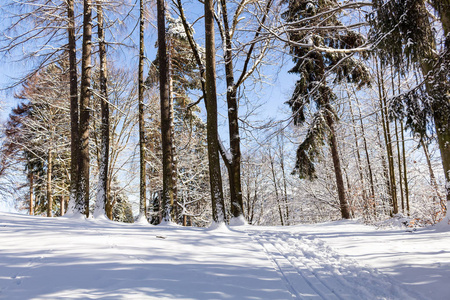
(401, 30)
(414, 107)
(184, 70)
(309, 150)
(317, 69)
(122, 211)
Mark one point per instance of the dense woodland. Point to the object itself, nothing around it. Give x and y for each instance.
(144, 110)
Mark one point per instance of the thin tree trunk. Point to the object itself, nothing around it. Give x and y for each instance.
(400, 174)
(85, 115)
(358, 161)
(277, 197)
(280, 142)
(286, 203)
(74, 113)
(400, 180)
(102, 191)
(62, 205)
(215, 178)
(166, 130)
(345, 209)
(405, 174)
(387, 139)
(142, 185)
(175, 209)
(369, 165)
(384, 165)
(31, 177)
(432, 176)
(390, 155)
(49, 184)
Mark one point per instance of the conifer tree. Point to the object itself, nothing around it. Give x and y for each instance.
(315, 68)
(403, 33)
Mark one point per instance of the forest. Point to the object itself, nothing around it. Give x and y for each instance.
(167, 111)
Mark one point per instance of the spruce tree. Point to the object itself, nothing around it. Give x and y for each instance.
(403, 32)
(317, 69)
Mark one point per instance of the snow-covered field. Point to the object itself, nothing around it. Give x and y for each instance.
(54, 258)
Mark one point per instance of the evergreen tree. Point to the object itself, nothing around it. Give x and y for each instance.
(403, 32)
(317, 70)
(189, 130)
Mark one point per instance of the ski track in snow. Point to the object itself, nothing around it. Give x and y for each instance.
(312, 270)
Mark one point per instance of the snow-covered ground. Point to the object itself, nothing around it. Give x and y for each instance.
(54, 258)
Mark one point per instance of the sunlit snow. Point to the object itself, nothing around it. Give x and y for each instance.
(54, 258)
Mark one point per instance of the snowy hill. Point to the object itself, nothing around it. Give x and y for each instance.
(54, 258)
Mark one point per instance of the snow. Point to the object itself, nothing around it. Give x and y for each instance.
(53, 258)
(239, 221)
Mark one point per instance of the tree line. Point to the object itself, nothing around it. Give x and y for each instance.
(369, 113)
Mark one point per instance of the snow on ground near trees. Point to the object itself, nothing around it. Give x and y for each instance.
(53, 258)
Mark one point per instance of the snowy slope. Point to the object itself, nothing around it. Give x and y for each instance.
(54, 258)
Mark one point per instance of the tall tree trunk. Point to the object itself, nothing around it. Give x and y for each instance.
(208, 74)
(345, 209)
(85, 96)
(172, 129)
(390, 154)
(387, 139)
(286, 203)
(400, 173)
(275, 185)
(369, 165)
(385, 168)
(237, 206)
(31, 177)
(280, 143)
(166, 129)
(74, 113)
(142, 181)
(358, 161)
(215, 177)
(102, 191)
(49, 184)
(432, 176)
(405, 174)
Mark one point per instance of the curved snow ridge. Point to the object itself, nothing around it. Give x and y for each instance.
(312, 270)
